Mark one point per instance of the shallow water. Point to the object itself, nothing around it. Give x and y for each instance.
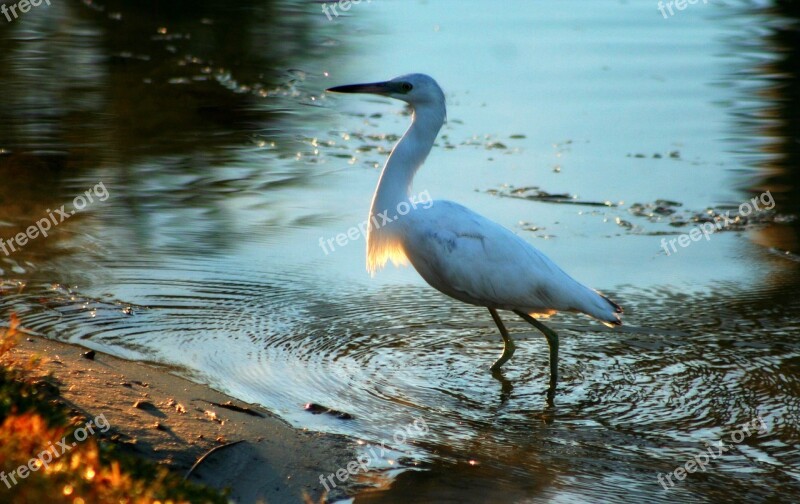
(225, 164)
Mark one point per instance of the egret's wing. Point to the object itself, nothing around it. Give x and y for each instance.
(461, 252)
(478, 261)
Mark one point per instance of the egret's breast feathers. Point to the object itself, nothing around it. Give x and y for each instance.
(383, 246)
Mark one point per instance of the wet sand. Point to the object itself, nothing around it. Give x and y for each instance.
(169, 420)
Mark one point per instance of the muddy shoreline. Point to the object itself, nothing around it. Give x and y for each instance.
(192, 429)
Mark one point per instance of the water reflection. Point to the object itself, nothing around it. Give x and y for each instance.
(148, 77)
(157, 99)
(767, 115)
(204, 122)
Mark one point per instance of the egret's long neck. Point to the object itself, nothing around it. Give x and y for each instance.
(407, 156)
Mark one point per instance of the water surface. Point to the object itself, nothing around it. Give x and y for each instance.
(226, 163)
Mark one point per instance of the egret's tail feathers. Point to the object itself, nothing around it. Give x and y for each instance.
(615, 320)
(603, 309)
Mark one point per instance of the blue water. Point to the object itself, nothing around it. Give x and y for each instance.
(226, 163)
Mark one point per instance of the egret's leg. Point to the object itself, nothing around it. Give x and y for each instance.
(506, 387)
(552, 341)
(508, 343)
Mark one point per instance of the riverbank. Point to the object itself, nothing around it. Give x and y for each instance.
(189, 428)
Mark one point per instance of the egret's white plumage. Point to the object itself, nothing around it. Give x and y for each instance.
(479, 262)
(457, 251)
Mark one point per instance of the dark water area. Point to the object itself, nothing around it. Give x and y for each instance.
(205, 164)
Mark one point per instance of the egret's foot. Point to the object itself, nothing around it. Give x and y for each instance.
(552, 342)
(508, 343)
(505, 385)
(551, 395)
(508, 352)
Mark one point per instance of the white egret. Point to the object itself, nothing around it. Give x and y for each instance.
(458, 252)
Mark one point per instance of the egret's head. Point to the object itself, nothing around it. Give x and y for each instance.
(414, 89)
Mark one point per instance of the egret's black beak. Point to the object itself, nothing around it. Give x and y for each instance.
(378, 88)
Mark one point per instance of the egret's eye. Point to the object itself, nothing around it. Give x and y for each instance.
(406, 87)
